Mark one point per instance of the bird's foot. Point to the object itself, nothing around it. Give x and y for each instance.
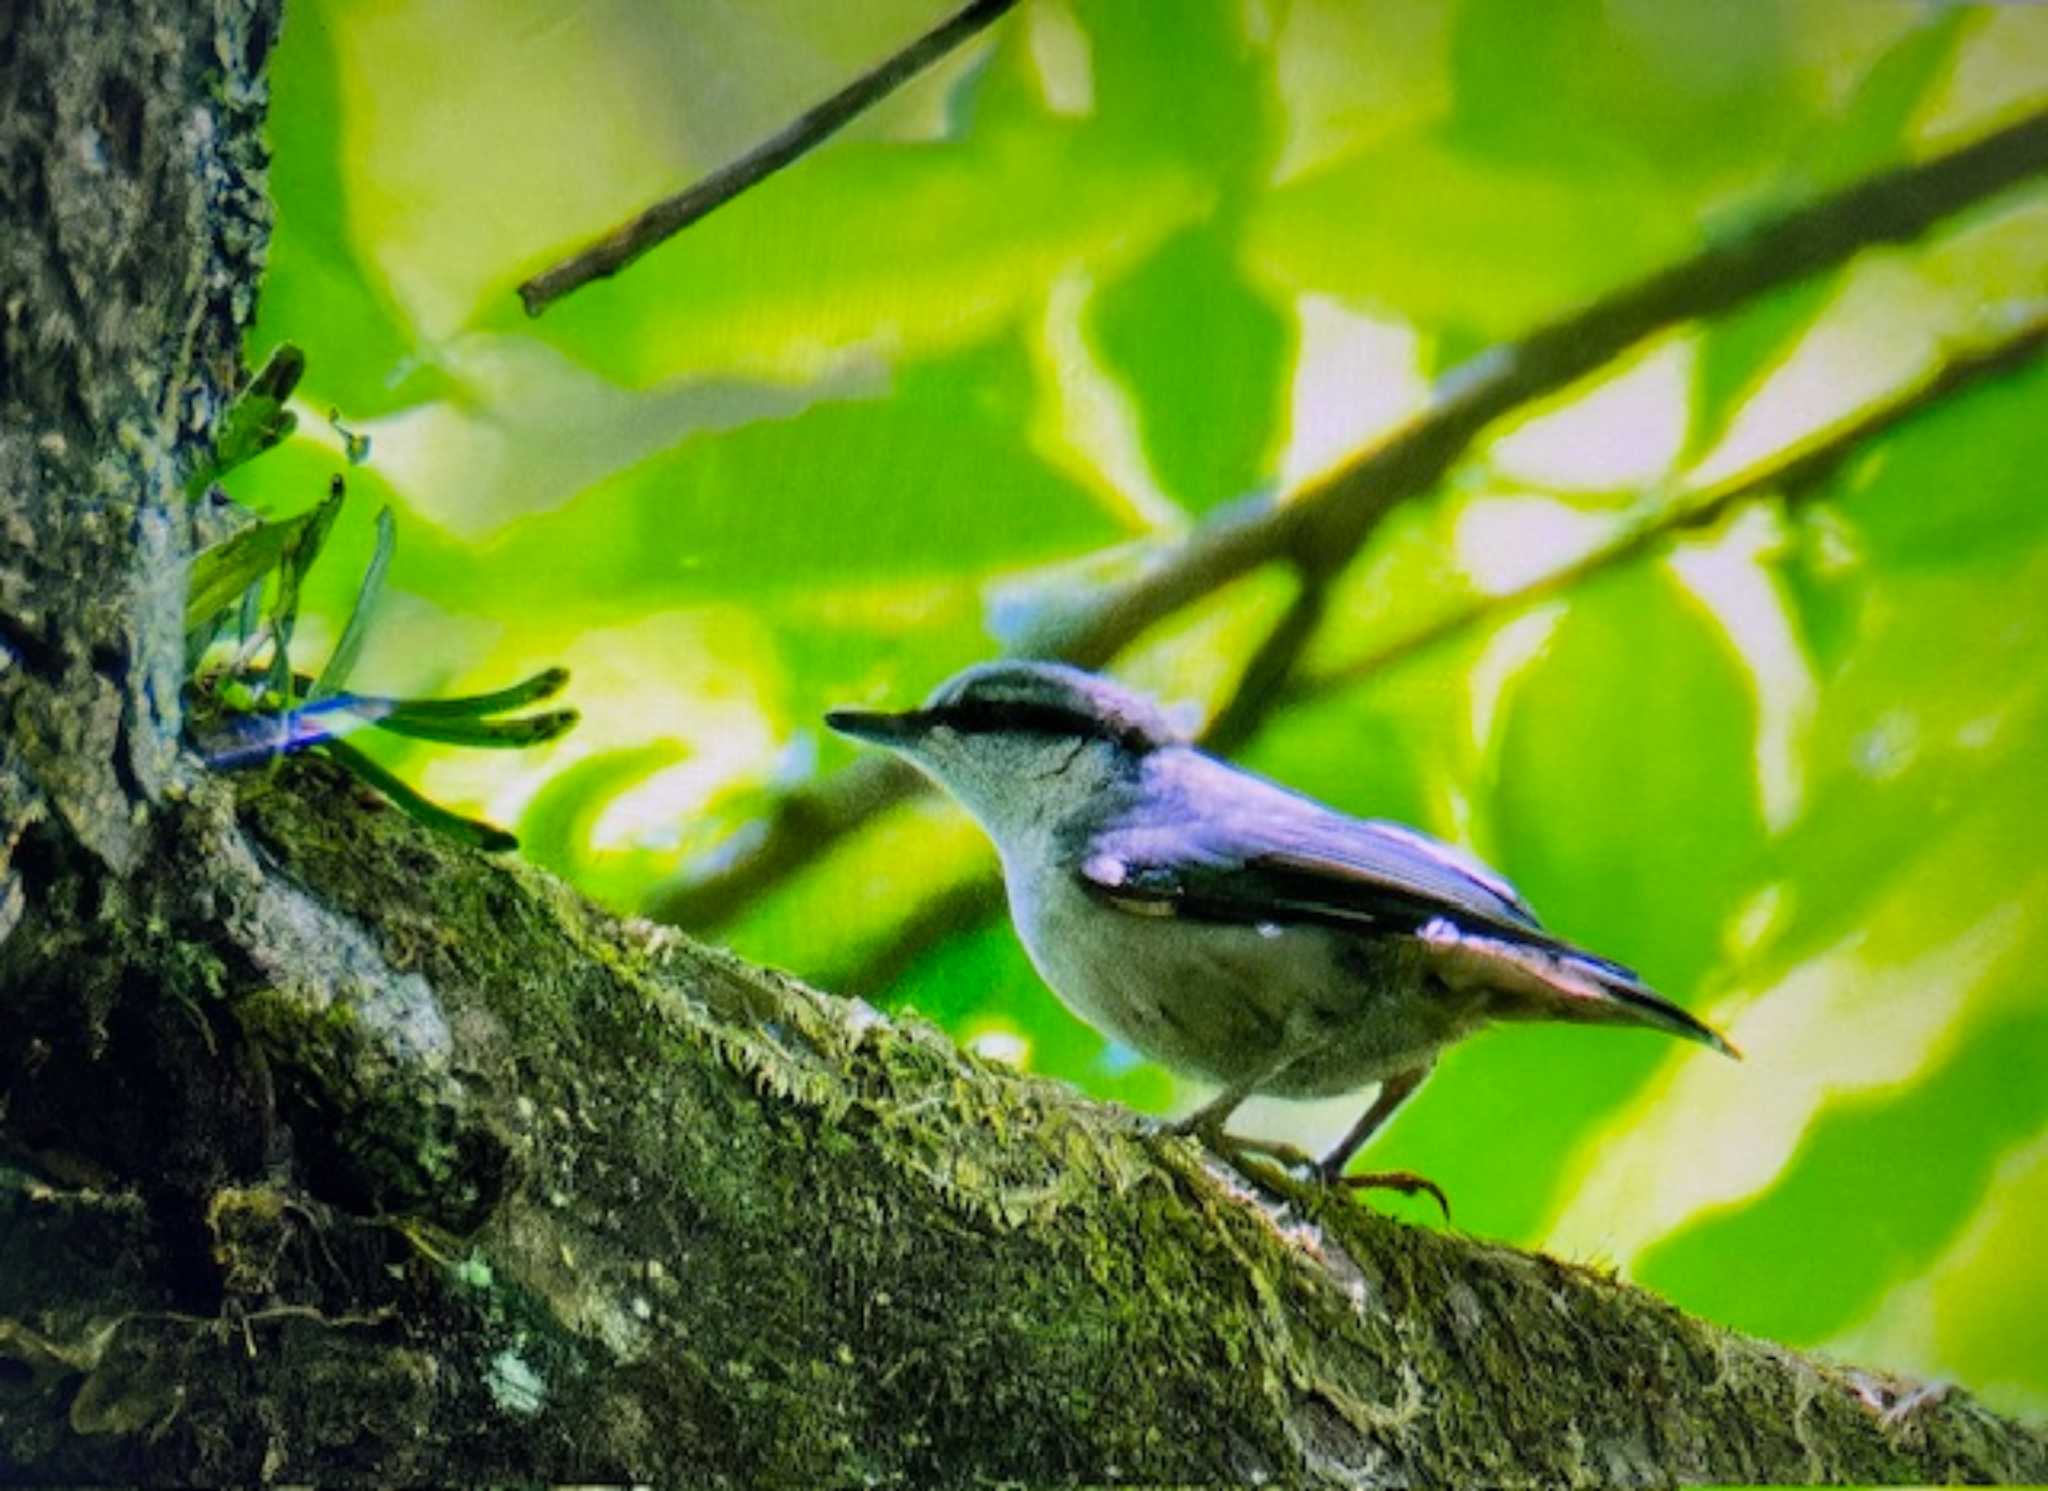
(1407, 1182)
(1270, 1167)
(1275, 1167)
(1232, 1147)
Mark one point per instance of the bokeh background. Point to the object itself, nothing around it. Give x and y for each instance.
(1117, 264)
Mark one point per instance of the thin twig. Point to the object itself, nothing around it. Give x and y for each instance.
(968, 902)
(1795, 476)
(1334, 516)
(1328, 522)
(606, 256)
(1259, 685)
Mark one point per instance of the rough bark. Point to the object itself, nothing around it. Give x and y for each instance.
(332, 1151)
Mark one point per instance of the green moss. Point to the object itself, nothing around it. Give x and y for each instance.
(647, 1209)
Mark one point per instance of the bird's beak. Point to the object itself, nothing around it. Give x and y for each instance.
(876, 727)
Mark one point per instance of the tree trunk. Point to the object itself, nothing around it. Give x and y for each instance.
(332, 1151)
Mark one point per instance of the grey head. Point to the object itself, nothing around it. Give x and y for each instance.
(1020, 743)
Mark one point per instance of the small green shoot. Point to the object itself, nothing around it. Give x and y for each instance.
(541, 686)
(248, 709)
(255, 421)
(354, 444)
(513, 734)
(298, 558)
(342, 661)
(471, 831)
(230, 569)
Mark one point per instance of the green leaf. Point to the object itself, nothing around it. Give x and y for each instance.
(1449, 238)
(318, 286)
(1577, 88)
(556, 826)
(1739, 351)
(1627, 803)
(1871, 132)
(542, 685)
(467, 830)
(1960, 484)
(1207, 357)
(512, 734)
(223, 574)
(249, 613)
(932, 247)
(933, 482)
(1873, 128)
(301, 552)
(342, 660)
(1205, 74)
(1906, 737)
(256, 420)
(1948, 1131)
(1625, 807)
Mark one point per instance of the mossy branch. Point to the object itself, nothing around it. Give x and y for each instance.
(359, 1117)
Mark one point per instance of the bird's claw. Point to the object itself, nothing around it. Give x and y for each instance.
(1246, 1156)
(1407, 1182)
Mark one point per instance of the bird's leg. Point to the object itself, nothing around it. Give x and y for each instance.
(1206, 1124)
(1207, 1121)
(1394, 1091)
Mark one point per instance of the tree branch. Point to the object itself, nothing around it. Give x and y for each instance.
(486, 1185)
(1321, 527)
(607, 255)
(1796, 475)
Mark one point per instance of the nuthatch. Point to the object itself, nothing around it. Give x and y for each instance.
(1228, 928)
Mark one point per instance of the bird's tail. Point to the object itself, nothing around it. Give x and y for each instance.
(1535, 978)
(1645, 1006)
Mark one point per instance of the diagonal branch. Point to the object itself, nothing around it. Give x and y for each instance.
(1323, 526)
(487, 1186)
(1796, 476)
(606, 256)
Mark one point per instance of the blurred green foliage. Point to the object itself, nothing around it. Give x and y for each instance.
(1040, 312)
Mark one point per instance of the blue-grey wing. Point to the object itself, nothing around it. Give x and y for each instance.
(1235, 848)
(1214, 842)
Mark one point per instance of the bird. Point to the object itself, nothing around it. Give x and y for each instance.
(1229, 928)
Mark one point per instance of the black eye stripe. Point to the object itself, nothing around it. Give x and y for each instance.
(983, 716)
(1023, 717)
